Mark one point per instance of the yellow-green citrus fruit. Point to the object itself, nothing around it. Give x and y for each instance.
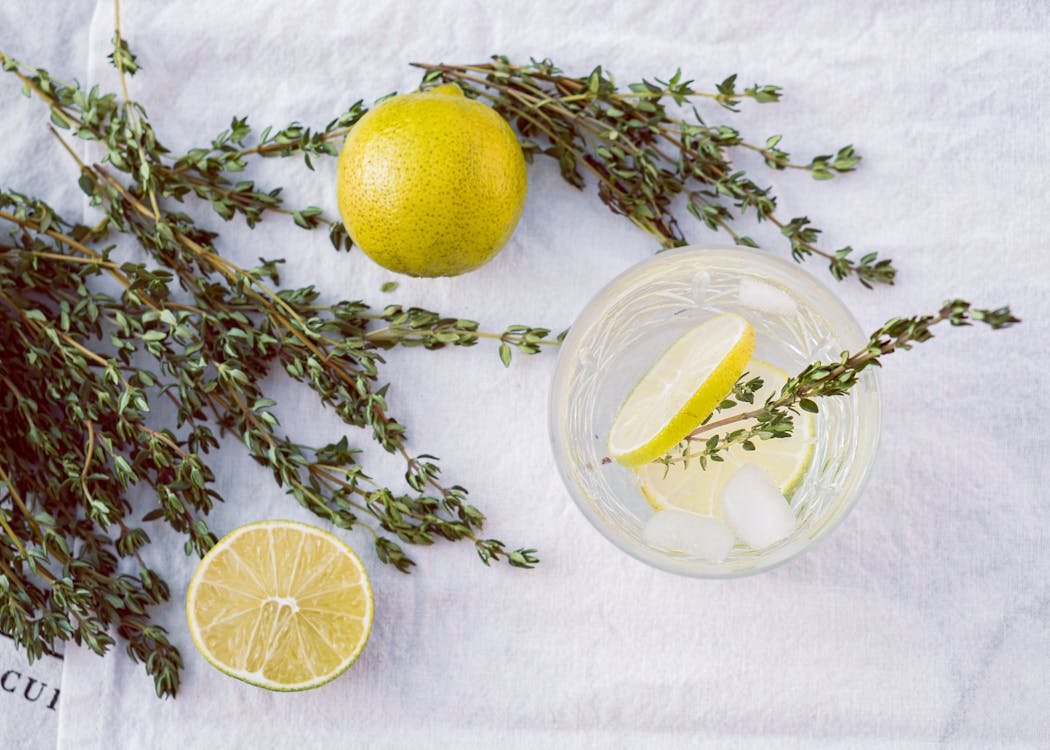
(431, 183)
(280, 604)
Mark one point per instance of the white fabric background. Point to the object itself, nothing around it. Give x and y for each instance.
(30, 696)
(924, 620)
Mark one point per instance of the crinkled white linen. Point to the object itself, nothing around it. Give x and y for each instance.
(924, 620)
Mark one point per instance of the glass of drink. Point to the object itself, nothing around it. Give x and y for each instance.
(625, 329)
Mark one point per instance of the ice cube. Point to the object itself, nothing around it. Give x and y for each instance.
(759, 295)
(755, 509)
(690, 534)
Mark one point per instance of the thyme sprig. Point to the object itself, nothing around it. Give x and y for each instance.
(81, 436)
(775, 418)
(645, 158)
(418, 327)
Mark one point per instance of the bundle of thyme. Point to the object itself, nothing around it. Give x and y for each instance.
(83, 370)
(645, 157)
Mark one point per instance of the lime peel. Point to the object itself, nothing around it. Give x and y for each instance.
(431, 183)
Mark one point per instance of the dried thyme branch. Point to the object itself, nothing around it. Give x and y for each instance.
(644, 157)
(417, 327)
(774, 419)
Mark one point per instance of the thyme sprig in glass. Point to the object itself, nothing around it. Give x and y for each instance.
(645, 158)
(775, 418)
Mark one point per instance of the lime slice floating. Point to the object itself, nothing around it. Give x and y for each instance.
(681, 389)
(784, 460)
(281, 605)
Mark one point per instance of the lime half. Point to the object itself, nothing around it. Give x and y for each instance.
(281, 605)
(695, 489)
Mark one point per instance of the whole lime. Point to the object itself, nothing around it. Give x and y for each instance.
(431, 183)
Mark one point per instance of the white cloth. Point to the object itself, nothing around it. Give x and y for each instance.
(30, 696)
(923, 620)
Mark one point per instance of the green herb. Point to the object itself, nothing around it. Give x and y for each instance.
(388, 286)
(87, 461)
(418, 327)
(774, 419)
(645, 158)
